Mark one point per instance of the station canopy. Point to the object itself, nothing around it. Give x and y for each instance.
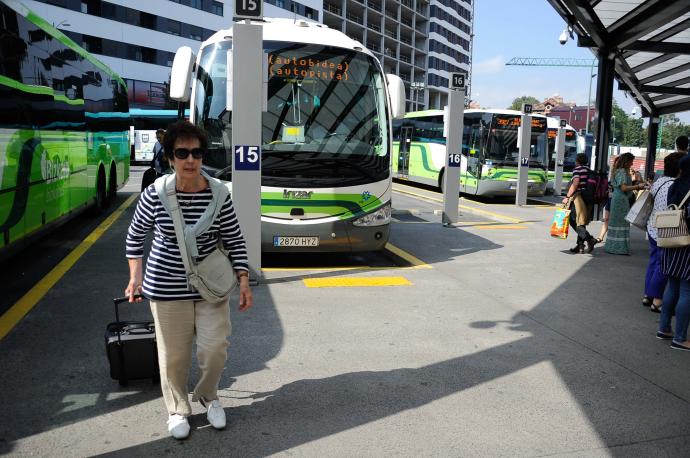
(649, 41)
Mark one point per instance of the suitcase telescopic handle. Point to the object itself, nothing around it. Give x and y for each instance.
(119, 300)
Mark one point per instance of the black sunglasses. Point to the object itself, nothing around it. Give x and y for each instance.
(183, 153)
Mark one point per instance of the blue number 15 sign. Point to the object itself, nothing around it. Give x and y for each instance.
(247, 157)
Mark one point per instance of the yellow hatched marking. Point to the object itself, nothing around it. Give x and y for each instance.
(355, 282)
(24, 305)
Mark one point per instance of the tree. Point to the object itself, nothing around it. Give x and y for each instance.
(517, 103)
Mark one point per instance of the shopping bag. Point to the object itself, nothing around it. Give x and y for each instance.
(641, 210)
(559, 226)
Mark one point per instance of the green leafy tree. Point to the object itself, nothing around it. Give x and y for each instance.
(517, 102)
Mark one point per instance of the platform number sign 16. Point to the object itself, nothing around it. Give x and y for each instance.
(454, 160)
(247, 157)
(457, 81)
(249, 9)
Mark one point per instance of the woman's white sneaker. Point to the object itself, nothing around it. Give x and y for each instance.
(178, 426)
(214, 413)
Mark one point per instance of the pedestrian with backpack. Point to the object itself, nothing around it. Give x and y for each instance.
(580, 210)
(618, 238)
(198, 207)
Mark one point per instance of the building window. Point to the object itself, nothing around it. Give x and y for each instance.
(195, 32)
(84, 8)
(195, 4)
(217, 8)
(174, 27)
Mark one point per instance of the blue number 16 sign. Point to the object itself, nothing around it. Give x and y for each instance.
(247, 157)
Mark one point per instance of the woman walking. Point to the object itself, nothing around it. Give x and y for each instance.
(618, 238)
(655, 280)
(179, 312)
(675, 263)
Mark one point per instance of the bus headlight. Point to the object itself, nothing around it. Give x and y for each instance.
(380, 217)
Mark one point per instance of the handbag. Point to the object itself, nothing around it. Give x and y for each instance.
(560, 226)
(213, 278)
(671, 226)
(641, 210)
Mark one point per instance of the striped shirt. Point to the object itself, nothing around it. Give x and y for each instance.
(165, 278)
(581, 172)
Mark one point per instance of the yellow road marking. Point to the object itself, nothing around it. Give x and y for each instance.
(494, 215)
(501, 227)
(24, 305)
(355, 282)
(416, 262)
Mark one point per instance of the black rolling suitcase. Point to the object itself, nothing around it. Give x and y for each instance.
(148, 178)
(131, 348)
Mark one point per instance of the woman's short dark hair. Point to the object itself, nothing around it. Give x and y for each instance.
(183, 130)
(671, 168)
(581, 159)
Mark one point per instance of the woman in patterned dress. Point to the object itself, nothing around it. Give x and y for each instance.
(618, 238)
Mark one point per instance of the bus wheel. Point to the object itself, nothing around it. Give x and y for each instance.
(112, 183)
(101, 196)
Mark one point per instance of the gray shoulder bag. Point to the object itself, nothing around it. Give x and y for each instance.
(213, 278)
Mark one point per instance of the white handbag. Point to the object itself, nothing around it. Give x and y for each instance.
(671, 227)
(641, 210)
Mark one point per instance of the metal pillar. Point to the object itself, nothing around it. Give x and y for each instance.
(604, 101)
(247, 95)
(523, 163)
(453, 121)
(654, 123)
(558, 162)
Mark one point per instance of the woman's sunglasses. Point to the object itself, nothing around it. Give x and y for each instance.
(183, 153)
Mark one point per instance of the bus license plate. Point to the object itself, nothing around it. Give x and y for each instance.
(295, 241)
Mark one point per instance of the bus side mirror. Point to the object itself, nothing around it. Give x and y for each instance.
(396, 90)
(181, 74)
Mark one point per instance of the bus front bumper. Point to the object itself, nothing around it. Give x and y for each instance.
(332, 237)
(509, 188)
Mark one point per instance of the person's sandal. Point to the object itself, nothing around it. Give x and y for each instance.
(646, 301)
(656, 308)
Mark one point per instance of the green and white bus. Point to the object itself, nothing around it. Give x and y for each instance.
(64, 143)
(490, 150)
(570, 153)
(326, 147)
(142, 131)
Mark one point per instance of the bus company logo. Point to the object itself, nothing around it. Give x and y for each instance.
(307, 67)
(366, 195)
(53, 170)
(297, 194)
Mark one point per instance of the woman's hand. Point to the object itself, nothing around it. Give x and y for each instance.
(135, 275)
(246, 299)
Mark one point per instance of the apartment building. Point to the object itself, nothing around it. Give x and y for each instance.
(138, 38)
(421, 41)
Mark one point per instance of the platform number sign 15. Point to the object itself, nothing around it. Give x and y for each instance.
(247, 157)
(249, 9)
(454, 160)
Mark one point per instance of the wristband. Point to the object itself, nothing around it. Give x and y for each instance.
(241, 274)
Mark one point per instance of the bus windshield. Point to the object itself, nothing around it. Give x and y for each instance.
(503, 146)
(326, 122)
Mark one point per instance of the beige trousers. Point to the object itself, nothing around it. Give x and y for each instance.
(176, 324)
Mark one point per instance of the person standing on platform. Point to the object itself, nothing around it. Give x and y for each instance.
(179, 312)
(618, 238)
(160, 162)
(580, 212)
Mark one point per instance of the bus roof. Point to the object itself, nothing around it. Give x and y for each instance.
(417, 114)
(554, 123)
(299, 31)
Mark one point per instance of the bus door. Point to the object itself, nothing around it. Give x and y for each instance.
(404, 152)
(472, 169)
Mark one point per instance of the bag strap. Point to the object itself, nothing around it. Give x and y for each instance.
(660, 187)
(176, 215)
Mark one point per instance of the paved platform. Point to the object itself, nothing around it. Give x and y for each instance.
(503, 344)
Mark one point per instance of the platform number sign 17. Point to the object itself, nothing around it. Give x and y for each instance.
(524, 162)
(454, 160)
(247, 157)
(249, 9)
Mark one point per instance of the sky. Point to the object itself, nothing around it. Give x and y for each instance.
(504, 29)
